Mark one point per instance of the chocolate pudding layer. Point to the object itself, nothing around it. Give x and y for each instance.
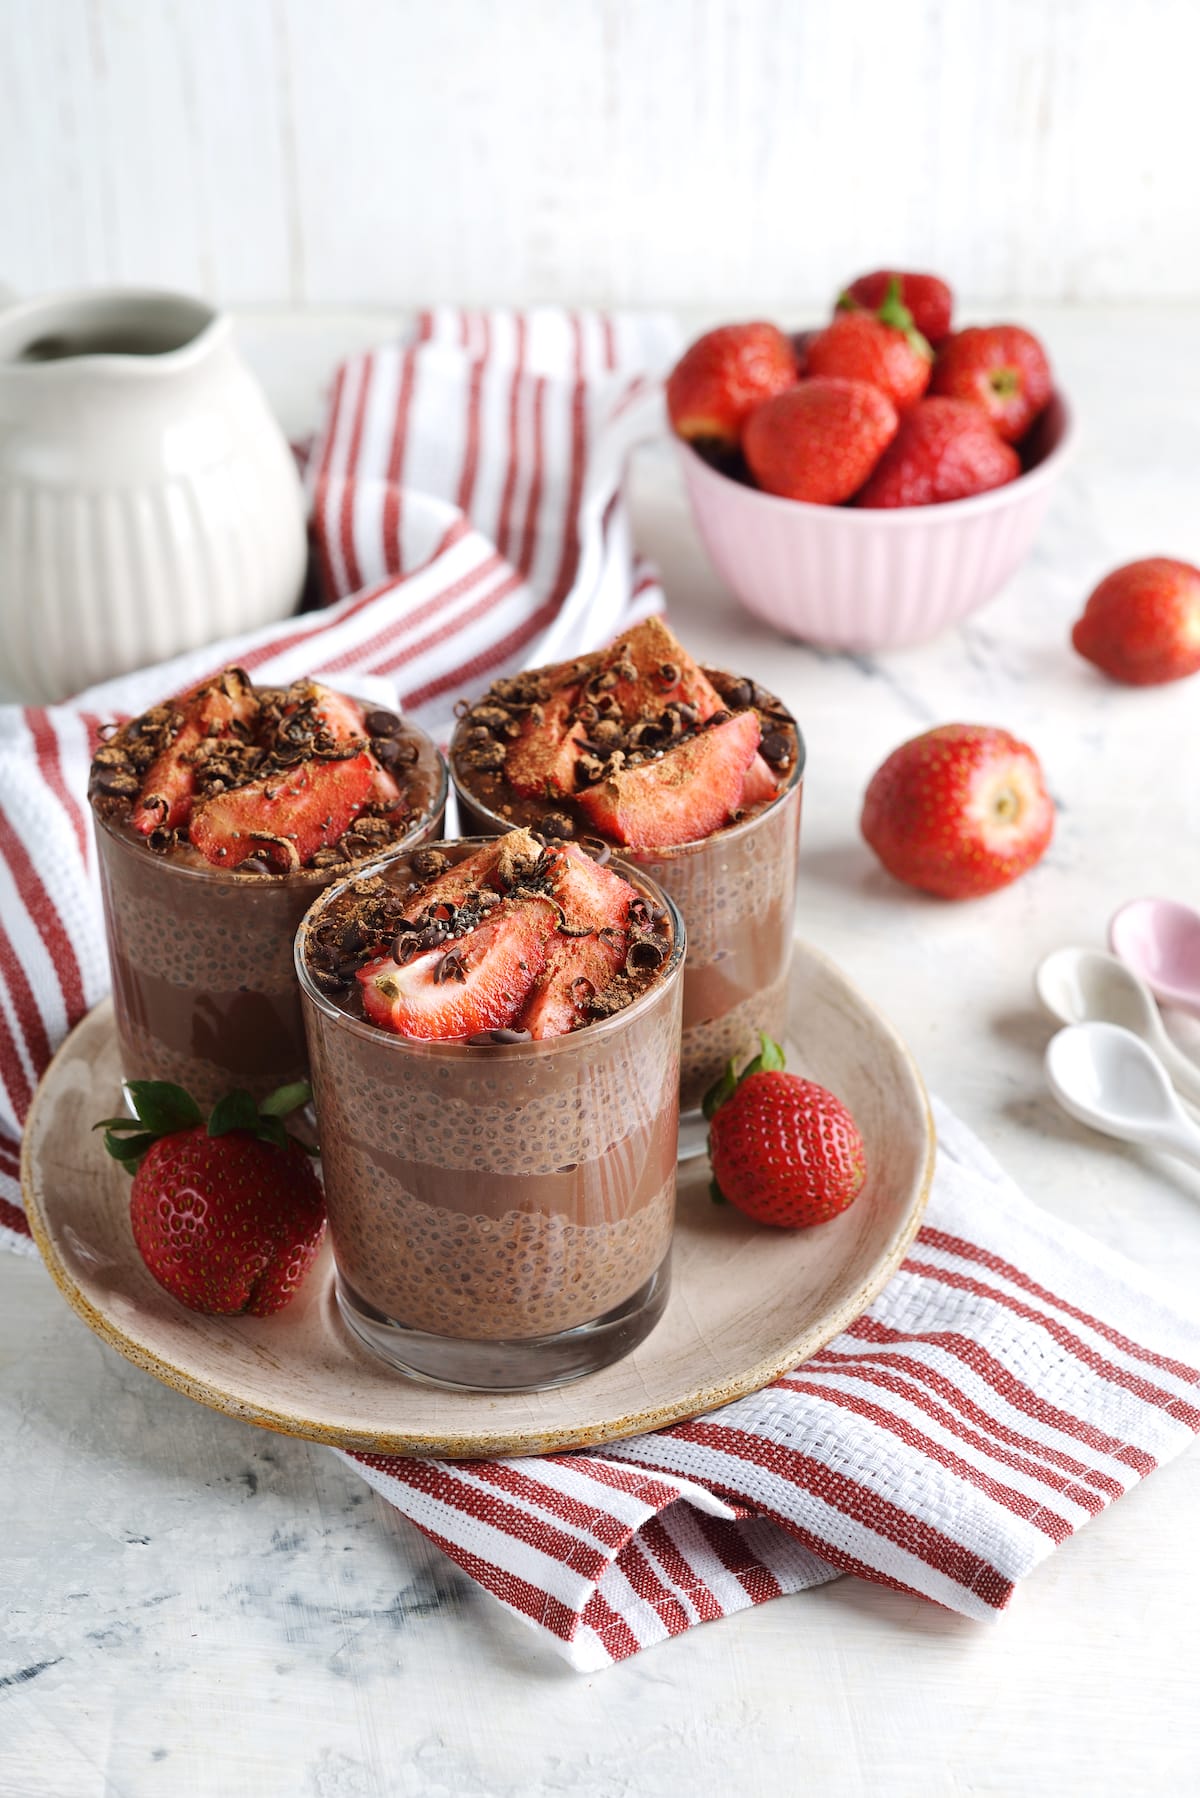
(500, 1212)
(204, 986)
(735, 888)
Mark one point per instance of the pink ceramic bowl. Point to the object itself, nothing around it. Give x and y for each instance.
(860, 580)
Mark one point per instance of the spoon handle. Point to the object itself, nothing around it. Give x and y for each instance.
(1181, 1141)
(1185, 1075)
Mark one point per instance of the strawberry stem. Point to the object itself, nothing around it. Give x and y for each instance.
(162, 1109)
(895, 313)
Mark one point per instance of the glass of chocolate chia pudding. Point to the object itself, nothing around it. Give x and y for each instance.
(501, 1194)
(692, 775)
(219, 817)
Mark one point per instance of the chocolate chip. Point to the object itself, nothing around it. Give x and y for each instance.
(775, 748)
(490, 717)
(327, 980)
(257, 864)
(381, 724)
(740, 695)
(486, 1038)
(117, 781)
(557, 825)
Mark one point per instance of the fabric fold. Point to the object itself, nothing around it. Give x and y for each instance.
(1010, 1382)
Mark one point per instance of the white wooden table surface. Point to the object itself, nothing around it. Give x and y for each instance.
(192, 1607)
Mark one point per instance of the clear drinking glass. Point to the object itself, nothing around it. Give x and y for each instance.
(737, 892)
(500, 1215)
(204, 986)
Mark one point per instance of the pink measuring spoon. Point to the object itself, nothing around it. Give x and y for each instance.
(1160, 940)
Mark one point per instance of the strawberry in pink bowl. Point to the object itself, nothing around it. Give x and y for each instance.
(837, 528)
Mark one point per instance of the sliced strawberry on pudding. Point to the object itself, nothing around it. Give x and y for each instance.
(578, 969)
(683, 796)
(491, 867)
(540, 763)
(478, 982)
(648, 669)
(760, 785)
(213, 710)
(345, 720)
(284, 817)
(592, 897)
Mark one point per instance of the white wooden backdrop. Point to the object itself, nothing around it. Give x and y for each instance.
(730, 154)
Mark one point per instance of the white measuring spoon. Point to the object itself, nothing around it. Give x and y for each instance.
(1107, 1078)
(1078, 985)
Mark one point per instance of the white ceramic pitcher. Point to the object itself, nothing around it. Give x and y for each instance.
(149, 502)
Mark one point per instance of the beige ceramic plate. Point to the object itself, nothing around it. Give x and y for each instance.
(747, 1303)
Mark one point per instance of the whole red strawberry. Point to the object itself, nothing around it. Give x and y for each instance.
(228, 1216)
(944, 449)
(723, 376)
(927, 297)
(881, 346)
(783, 1150)
(1141, 625)
(959, 811)
(820, 440)
(1002, 368)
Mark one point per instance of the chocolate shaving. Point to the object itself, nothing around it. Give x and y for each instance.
(451, 967)
(645, 954)
(486, 1038)
(286, 854)
(597, 848)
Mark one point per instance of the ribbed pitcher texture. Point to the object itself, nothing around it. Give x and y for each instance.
(149, 502)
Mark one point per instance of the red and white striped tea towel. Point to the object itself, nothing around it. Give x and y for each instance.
(1013, 1379)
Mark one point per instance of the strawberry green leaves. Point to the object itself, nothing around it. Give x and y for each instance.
(161, 1109)
(769, 1060)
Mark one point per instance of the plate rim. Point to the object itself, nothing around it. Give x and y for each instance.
(481, 1444)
